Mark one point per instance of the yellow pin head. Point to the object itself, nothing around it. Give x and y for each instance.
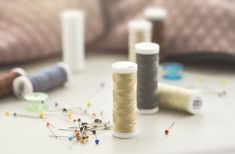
(69, 114)
(7, 113)
(41, 115)
(88, 104)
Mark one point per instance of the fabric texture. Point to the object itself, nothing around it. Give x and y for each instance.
(31, 29)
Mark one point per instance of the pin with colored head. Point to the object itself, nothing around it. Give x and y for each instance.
(167, 131)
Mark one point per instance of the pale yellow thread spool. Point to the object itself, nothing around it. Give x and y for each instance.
(139, 31)
(179, 99)
(124, 99)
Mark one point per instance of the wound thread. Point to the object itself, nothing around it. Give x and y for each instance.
(6, 81)
(124, 99)
(179, 99)
(139, 31)
(43, 81)
(147, 60)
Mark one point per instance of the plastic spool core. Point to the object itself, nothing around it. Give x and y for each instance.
(124, 67)
(155, 13)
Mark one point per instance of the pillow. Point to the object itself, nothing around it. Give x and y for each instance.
(195, 27)
(31, 30)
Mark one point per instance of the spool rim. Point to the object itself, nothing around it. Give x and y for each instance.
(196, 94)
(140, 25)
(27, 86)
(124, 67)
(147, 48)
(155, 13)
(72, 13)
(148, 111)
(19, 71)
(124, 135)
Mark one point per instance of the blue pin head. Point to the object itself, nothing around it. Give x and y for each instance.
(14, 114)
(97, 141)
(70, 138)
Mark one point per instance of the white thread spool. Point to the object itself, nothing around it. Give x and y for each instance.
(125, 67)
(139, 31)
(179, 99)
(73, 33)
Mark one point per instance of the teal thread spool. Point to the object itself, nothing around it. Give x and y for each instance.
(173, 71)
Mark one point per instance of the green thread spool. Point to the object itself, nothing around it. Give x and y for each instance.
(37, 102)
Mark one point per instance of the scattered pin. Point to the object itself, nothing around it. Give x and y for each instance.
(14, 114)
(215, 90)
(167, 131)
(81, 131)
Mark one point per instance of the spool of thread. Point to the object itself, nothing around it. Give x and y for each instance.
(172, 71)
(6, 81)
(73, 29)
(179, 99)
(147, 61)
(157, 16)
(139, 31)
(124, 99)
(43, 81)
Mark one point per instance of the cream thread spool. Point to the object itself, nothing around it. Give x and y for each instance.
(73, 33)
(124, 99)
(157, 16)
(139, 31)
(147, 61)
(179, 99)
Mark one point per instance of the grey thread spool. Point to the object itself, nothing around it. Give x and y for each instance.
(147, 61)
(157, 16)
(43, 81)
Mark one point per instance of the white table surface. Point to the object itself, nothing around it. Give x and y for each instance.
(211, 132)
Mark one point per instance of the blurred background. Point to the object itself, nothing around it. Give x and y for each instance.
(195, 30)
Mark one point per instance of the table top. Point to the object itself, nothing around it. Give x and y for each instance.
(213, 131)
